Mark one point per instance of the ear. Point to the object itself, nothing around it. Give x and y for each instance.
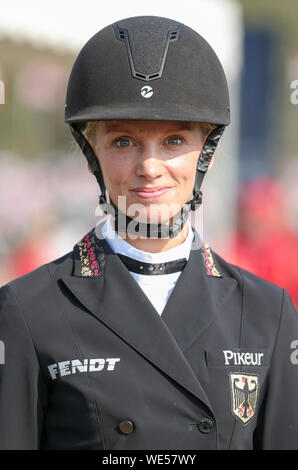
(89, 169)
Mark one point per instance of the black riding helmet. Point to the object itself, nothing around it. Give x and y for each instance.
(148, 68)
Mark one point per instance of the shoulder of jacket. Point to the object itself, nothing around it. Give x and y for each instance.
(33, 284)
(252, 281)
(261, 300)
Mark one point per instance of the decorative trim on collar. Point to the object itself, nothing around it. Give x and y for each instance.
(90, 257)
(209, 261)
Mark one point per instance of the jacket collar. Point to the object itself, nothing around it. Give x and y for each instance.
(89, 257)
(101, 283)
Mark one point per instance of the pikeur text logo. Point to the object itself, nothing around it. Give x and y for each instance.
(243, 358)
(89, 365)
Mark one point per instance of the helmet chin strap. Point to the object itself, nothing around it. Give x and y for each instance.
(126, 224)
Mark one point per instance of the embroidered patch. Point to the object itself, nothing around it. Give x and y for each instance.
(244, 393)
(91, 255)
(209, 261)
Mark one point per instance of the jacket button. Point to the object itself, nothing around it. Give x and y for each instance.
(126, 427)
(205, 425)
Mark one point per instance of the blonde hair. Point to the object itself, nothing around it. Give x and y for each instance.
(90, 128)
(207, 128)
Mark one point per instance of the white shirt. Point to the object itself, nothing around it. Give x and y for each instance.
(158, 288)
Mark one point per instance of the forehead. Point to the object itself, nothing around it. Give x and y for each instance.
(143, 126)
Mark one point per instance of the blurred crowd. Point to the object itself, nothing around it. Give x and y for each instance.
(46, 207)
(49, 205)
(265, 241)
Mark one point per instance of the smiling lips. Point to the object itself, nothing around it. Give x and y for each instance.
(150, 193)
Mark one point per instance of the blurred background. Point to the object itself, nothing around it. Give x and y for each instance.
(47, 196)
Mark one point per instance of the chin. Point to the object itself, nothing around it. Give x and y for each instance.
(149, 212)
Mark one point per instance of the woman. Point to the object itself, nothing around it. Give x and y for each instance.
(142, 337)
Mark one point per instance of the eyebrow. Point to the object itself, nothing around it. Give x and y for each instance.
(117, 128)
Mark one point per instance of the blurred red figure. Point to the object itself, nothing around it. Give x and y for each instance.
(34, 250)
(28, 256)
(264, 244)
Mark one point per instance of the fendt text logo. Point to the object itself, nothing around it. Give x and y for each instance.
(2, 92)
(2, 353)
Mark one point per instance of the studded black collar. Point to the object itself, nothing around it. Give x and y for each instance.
(140, 267)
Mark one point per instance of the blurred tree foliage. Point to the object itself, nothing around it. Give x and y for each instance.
(30, 125)
(281, 18)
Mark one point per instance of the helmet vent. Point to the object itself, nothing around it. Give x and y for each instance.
(148, 51)
(140, 75)
(155, 75)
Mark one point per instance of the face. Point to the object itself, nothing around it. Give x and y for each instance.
(151, 163)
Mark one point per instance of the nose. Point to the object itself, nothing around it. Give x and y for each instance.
(149, 165)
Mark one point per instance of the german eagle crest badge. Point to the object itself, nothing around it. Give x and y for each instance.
(244, 393)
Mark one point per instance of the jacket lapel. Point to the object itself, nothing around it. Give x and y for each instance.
(198, 298)
(102, 284)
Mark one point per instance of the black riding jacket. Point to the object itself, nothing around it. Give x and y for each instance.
(88, 363)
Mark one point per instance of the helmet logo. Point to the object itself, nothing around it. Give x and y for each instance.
(147, 91)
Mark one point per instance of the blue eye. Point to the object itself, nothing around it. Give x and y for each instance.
(175, 140)
(123, 142)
